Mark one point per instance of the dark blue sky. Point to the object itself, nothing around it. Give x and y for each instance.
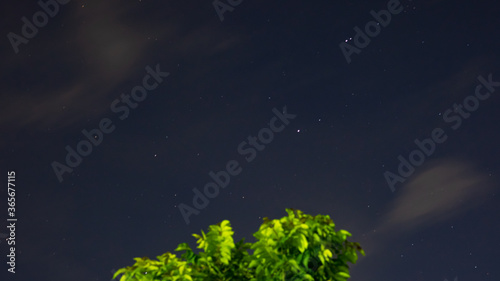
(396, 138)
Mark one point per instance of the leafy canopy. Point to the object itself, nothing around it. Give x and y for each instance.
(295, 247)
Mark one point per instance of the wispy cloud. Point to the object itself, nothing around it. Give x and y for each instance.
(441, 191)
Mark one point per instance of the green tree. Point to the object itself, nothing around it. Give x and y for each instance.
(295, 247)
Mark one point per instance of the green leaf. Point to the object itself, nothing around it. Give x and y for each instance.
(343, 274)
(119, 271)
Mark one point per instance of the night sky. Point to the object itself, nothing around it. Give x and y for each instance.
(115, 115)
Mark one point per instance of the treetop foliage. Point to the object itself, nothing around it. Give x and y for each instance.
(295, 247)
